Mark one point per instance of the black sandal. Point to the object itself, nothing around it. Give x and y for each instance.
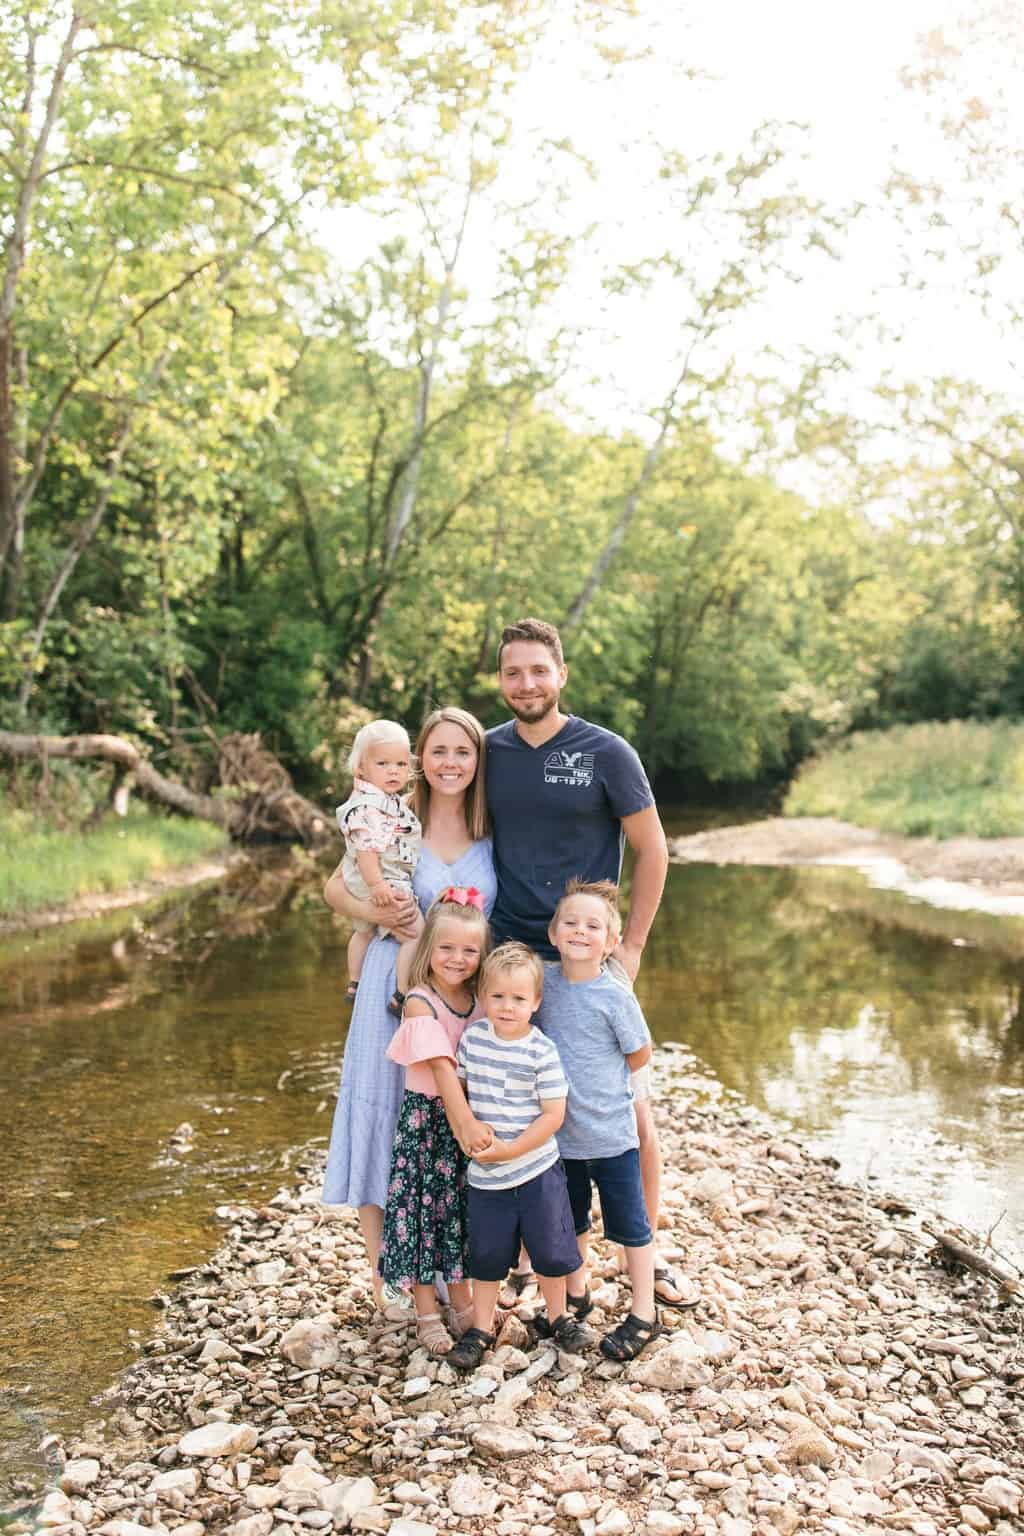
(467, 1353)
(517, 1280)
(580, 1306)
(627, 1340)
(350, 992)
(396, 1002)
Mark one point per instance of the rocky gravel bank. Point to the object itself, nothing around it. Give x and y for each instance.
(833, 1380)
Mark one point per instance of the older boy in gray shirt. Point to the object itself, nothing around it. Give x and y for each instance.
(601, 1037)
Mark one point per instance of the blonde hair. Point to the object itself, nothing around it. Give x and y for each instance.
(512, 956)
(477, 823)
(370, 734)
(605, 891)
(419, 971)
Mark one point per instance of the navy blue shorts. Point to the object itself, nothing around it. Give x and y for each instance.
(623, 1211)
(536, 1214)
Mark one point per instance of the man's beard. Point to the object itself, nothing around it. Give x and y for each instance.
(536, 710)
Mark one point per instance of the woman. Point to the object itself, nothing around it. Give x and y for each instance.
(449, 800)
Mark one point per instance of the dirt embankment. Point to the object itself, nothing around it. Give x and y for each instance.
(96, 903)
(987, 873)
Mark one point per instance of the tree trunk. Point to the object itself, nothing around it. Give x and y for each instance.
(82, 539)
(12, 513)
(264, 801)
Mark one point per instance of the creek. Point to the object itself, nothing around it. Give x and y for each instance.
(162, 1061)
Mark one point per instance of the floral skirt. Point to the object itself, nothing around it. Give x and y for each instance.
(425, 1226)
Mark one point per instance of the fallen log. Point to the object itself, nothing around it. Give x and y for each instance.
(953, 1248)
(261, 801)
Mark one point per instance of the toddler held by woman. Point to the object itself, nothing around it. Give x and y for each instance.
(382, 842)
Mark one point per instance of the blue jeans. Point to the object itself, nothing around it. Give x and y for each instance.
(621, 1193)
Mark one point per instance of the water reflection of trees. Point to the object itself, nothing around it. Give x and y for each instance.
(757, 968)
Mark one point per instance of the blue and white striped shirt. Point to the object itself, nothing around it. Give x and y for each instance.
(507, 1082)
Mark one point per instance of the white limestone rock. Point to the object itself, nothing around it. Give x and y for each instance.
(312, 1344)
(185, 1479)
(469, 1495)
(218, 1440)
(79, 1474)
(501, 1442)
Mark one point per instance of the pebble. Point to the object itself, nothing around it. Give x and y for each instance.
(660, 1522)
(1002, 1494)
(807, 1446)
(470, 1495)
(223, 1439)
(79, 1474)
(311, 1344)
(503, 1444)
(615, 1523)
(832, 1384)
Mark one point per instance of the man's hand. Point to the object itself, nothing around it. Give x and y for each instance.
(628, 956)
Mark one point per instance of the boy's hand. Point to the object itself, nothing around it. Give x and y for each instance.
(474, 1137)
(497, 1152)
(628, 956)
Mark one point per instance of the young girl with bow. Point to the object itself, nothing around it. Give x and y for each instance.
(425, 1216)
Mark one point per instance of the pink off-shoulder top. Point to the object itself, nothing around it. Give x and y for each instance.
(421, 1040)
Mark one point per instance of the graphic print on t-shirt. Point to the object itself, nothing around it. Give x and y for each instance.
(572, 768)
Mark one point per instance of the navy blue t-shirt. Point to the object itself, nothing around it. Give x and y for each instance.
(556, 812)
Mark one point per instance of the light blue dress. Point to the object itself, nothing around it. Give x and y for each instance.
(371, 1086)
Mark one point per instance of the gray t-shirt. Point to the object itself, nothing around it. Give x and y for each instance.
(595, 1025)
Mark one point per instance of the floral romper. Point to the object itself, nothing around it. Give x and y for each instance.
(425, 1216)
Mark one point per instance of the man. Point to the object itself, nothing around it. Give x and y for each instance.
(565, 796)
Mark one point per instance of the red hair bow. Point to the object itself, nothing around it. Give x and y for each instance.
(463, 896)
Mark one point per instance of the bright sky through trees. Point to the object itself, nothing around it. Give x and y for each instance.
(832, 67)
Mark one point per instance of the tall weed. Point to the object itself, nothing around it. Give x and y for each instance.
(950, 779)
(44, 866)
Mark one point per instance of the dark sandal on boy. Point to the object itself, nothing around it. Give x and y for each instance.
(565, 1333)
(350, 991)
(663, 1275)
(627, 1340)
(467, 1353)
(580, 1306)
(396, 1002)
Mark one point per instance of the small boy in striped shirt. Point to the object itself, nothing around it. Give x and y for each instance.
(517, 1191)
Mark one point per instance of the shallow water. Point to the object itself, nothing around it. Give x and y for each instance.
(892, 1033)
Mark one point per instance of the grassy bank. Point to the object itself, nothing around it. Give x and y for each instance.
(47, 866)
(960, 778)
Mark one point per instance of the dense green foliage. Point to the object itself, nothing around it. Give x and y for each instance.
(42, 866)
(963, 778)
(246, 485)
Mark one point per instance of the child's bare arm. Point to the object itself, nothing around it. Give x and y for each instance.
(637, 1059)
(381, 893)
(546, 1124)
(470, 1133)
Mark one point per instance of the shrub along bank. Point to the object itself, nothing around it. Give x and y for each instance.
(959, 778)
(47, 865)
